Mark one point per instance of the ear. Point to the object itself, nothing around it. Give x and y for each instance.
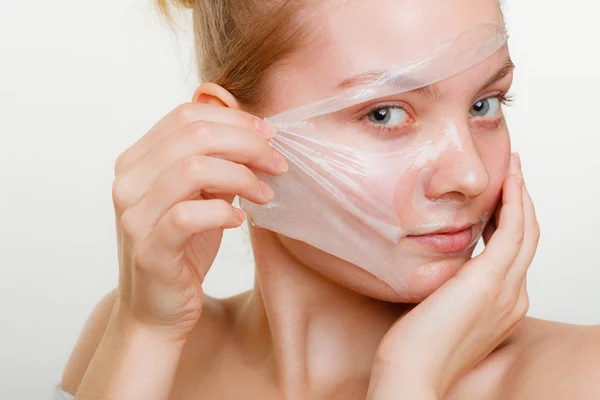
(211, 93)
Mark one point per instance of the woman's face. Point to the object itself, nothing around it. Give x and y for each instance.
(354, 37)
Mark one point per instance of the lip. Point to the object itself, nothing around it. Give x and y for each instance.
(446, 240)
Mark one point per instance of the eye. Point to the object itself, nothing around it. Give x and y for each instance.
(486, 108)
(388, 116)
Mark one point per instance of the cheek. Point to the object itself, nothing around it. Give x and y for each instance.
(404, 193)
(495, 155)
(393, 190)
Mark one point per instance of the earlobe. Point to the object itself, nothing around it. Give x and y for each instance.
(211, 93)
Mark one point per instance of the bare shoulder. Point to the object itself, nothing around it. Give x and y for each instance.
(206, 337)
(555, 361)
(88, 342)
(541, 360)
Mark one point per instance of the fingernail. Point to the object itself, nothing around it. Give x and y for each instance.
(264, 128)
(266, 190)
(280, 162)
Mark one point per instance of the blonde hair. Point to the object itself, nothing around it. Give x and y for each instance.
(237, 42)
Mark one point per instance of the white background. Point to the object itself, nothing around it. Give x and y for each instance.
(80, 81)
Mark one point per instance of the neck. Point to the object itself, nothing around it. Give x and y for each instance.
(320, 335)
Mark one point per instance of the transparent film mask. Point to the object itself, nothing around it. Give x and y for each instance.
(346, 189)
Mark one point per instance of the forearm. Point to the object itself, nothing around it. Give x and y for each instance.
(385, 385)
(401, 391)
(131, 362)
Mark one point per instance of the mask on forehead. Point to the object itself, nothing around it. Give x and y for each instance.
(346, 189)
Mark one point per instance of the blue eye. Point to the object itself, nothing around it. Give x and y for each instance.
(486, 108)
(388, 116)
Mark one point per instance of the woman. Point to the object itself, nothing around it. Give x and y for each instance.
(315, 325)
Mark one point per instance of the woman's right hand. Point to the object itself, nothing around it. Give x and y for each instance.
(172, 195)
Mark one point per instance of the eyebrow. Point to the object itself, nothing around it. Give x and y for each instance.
(428, 90)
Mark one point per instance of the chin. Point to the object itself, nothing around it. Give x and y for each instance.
(423, 280)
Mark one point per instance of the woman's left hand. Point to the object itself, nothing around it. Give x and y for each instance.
(462, 322)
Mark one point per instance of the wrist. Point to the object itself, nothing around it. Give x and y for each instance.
(388, 383)
(133, 361)
(401, 390)
(132, 326)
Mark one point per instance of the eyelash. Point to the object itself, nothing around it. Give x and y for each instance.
(506, 99)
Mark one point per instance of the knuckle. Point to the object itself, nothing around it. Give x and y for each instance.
(256, 146)
(524, 304)
(388, 354)
(181, 218)
(119, 163)
(223, 211)
(382, 361)
(520, 308)
(250, 179)
(221, 206)
(384, 355)
(507, 300)
(193, 168)
(249, 121)
(128, 225)
(200, 133)
(260, 151)
(119, 193)
(185, 112)
(201, 128)
(140, 256)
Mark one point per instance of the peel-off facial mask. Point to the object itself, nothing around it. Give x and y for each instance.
(346, 190)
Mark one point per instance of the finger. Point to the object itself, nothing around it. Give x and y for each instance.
(513, 318)
(504, 245)
(523, 291)
(183, 115)
(202, 138)
(163, 247)
(191, 177)
(496, 216)
(530, 241)
(492, 223)
(520, 305)
(488, 232)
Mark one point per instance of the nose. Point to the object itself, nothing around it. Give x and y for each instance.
(458, 173)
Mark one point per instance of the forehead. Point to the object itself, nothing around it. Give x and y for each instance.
(350, 37)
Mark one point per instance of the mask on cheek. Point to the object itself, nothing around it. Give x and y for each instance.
(357, 196)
